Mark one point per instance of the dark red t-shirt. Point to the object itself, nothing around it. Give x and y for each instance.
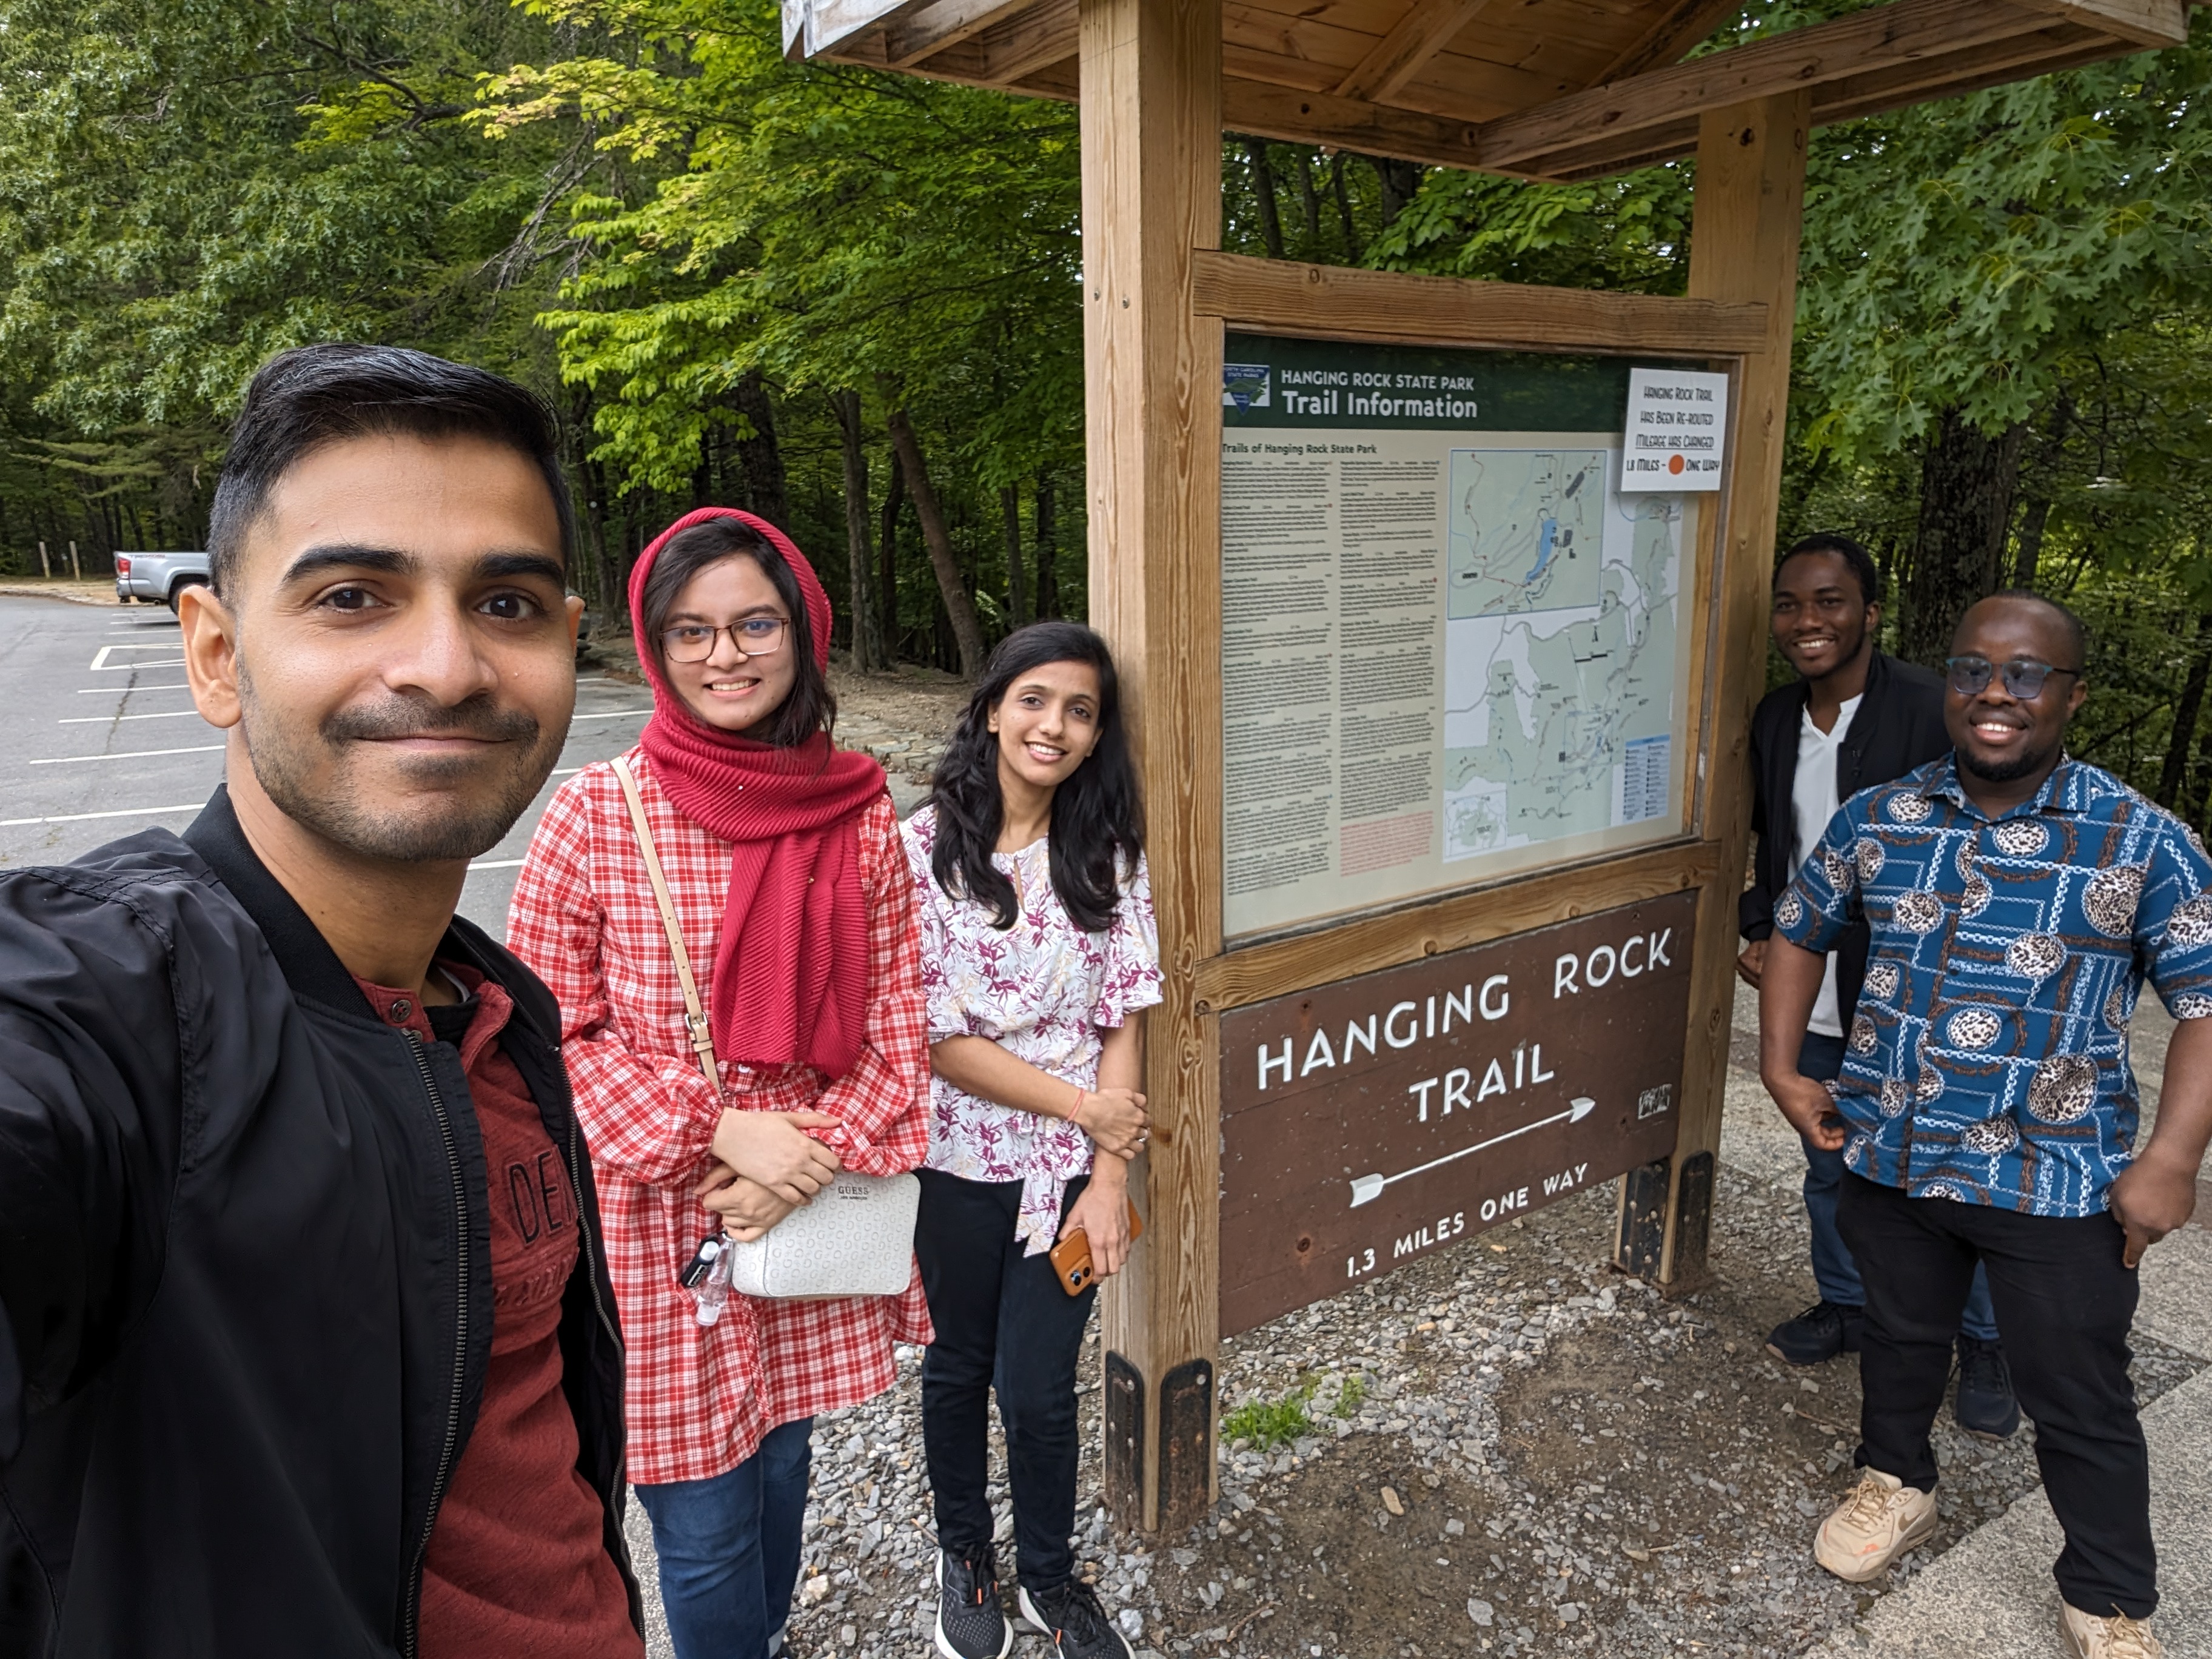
(517, 1562)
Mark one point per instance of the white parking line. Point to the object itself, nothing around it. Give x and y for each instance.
(130, 754)
(101, 665)
(496, 863)
(102, 720)
(615, 713)
(126, 812)
(128, 690)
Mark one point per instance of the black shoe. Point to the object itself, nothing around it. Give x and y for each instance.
(1079, 1626)
(970, 1623)
(1984, 1404)
(1817, 1335)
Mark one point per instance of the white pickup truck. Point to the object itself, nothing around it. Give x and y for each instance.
(157, 578)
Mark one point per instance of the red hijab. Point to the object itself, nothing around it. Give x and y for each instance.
(791, 960)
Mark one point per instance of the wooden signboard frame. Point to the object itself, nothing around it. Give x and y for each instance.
(1159, 299)
(1541, 89)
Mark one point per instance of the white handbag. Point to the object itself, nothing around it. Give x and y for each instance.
(856, 1237)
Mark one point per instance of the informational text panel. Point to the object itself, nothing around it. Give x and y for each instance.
(1452, 648)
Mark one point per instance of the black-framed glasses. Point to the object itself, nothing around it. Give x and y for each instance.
(2023, 677)
(755, 636)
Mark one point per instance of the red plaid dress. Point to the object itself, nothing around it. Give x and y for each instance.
(583, 916)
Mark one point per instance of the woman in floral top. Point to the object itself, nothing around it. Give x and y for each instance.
(1037, 943)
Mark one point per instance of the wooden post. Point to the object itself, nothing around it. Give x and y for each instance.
(1151, 197)
(1743, 245)
(45, 564)
(76, 572)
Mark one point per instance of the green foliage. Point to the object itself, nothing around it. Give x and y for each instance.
(1268, 1424)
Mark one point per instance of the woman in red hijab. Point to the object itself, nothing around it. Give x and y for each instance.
(782, 857)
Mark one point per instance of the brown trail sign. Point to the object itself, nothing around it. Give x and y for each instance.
(1396, 850)
(1366, 1122)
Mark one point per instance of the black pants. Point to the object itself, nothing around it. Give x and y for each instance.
(1002, 1322)
(2064, 1303)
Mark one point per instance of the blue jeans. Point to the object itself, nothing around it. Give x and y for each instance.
(1821, 1058)
(729, 1547)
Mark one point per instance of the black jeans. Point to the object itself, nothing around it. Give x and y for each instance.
(2064, 1303)
(1002, 1322)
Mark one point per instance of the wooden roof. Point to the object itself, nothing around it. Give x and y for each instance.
(1541, 89)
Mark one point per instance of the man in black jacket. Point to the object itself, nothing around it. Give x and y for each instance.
(1855, 718)
(283, 1371)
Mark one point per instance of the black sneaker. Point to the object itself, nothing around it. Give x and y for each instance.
(1079, 1626)
(970, 1623)
(1984, 1404)
(1817, 1335)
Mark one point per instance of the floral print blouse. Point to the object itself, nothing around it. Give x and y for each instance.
(1043, 989)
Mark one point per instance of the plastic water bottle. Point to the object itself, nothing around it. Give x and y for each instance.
(708, 1278)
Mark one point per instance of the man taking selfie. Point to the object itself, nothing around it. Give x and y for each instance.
(1855, 717)
(308, 1346)
(1986, 1112)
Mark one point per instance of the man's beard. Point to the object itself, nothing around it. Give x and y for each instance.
(2010, 771)
(440, 827)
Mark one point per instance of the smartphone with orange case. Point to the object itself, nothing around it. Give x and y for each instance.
(1071, 1257)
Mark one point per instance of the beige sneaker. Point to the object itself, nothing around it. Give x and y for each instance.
(2118, 1638)
(1881, 1520)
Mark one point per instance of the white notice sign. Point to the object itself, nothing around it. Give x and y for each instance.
(1677, 430)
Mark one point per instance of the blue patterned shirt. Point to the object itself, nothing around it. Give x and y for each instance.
(1988, 1062)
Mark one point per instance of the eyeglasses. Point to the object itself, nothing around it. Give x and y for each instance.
(2023, 677)
(754, 636)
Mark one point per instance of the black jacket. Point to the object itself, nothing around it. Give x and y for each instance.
(244, 1267)
(1899, 726)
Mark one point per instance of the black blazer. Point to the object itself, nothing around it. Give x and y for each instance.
(1899, 726)
(245, 1267)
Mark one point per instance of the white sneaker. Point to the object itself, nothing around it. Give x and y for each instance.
(1881, 1520)
(2118, 1638)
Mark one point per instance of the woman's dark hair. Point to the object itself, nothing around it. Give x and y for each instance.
(1097, 823)
(810, 708)
(1853, 554)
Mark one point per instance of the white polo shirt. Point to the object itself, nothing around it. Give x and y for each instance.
(1812, 802)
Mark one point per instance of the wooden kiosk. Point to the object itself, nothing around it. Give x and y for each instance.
(1442, 721)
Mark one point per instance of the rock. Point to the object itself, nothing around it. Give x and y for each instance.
(1390, 1501)
(1131, 1623)
(1480, 1611)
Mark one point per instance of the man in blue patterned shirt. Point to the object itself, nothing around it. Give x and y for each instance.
(1986, 1111)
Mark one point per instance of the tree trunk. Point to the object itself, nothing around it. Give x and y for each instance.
(867, 631)
(2029, 552)
(2185, 713)
(1343, 194)
(887, 592)
(1309, 198)
(758, 457)
(967, 626)
(1967, 484)
(1017, 575)
(1401, 181)
(1047, 551)
(1263, 191)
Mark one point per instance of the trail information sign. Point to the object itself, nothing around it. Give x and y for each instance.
(1677, 430)
(1366, 1122)
(1451, 647)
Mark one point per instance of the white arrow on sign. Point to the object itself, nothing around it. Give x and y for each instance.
(1366, 1188)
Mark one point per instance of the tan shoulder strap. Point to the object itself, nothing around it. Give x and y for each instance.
(694, 1015)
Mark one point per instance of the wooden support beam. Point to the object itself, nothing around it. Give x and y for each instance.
(1746, 219)
(1680, 27)
(1425, 30)
(1017, 46)
(1892, 36)
(1151, 198)
(2144, 22)
(2045, 51)
(941, 23)
(1267, 111)
(1336, 302)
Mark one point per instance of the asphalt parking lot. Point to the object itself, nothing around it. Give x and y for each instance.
(102, 740)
